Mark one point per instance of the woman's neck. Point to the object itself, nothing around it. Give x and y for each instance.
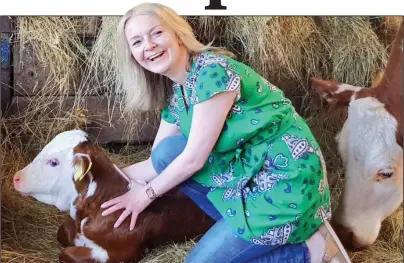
(178, 73)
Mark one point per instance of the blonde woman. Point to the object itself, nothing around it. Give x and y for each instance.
(230, 140)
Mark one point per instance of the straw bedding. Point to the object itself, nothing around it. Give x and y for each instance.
(285, 50)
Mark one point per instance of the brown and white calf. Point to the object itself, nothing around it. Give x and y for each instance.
(371, 147)
(88, 236)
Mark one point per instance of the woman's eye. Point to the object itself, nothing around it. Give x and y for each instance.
(157, 33)
(136, 43)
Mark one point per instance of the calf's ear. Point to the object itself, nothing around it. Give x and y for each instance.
(82, 163)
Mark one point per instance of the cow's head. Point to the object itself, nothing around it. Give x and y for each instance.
(371, 147)
(49, 177)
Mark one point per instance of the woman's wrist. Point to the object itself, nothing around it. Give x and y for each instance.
(150, 191)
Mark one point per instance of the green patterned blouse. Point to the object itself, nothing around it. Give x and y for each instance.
(266, 173)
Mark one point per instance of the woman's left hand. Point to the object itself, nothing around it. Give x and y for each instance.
(134, 202)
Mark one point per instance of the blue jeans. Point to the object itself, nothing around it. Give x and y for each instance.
(220, 244)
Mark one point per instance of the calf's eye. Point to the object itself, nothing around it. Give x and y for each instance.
(53, 162)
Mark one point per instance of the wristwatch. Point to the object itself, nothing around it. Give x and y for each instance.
(150, 192)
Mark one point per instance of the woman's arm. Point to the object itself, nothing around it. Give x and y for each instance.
(207, 123)
(144, 170)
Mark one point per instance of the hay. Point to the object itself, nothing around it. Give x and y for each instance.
(352, 44)
(55, 42)
(389, 246)
(173, 253)
(386, 28)
(28, 228)
(279, 48)
(102, 60)
(285, 50)
(61, 54)
(282, 49)
(102, 71)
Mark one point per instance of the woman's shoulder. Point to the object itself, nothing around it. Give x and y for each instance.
(212, 59)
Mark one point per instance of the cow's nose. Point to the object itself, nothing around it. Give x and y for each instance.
(344, 233)
(347, 237)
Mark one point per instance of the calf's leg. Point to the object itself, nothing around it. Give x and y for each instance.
(76, 255)
(66, 233)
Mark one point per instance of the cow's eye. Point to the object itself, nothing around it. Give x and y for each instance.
(386, 173)
(53, 162)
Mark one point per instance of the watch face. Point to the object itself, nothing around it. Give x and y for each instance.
(150, 192)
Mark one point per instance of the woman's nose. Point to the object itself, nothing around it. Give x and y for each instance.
(150, 45)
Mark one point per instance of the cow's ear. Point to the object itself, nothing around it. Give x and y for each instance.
(82, 162)
(334, 92)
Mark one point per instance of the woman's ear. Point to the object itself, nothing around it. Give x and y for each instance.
(178, 39)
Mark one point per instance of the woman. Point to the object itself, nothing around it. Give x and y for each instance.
(230, 140)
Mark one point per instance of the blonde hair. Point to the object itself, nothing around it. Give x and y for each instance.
(143, 89)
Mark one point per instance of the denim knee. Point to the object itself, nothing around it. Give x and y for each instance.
(166, 151)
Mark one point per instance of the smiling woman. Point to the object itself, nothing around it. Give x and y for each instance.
(230, 140)
(154, 48)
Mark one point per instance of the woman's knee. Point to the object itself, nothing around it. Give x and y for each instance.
(166, 151)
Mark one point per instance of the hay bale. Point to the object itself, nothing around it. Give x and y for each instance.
(59, 57)
(354, 49)
(55, 42)
(386, 28)
(279, 48)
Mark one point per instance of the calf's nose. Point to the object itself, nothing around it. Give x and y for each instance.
(16, 179)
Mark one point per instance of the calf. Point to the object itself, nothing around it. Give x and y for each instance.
(371, 147)
(88, 236)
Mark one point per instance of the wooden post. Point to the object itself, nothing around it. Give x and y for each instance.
(6, 61)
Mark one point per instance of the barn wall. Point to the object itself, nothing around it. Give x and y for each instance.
(6, 70)
(25, 77)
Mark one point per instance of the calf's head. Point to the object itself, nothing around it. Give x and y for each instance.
(371, 147)
(49, 177)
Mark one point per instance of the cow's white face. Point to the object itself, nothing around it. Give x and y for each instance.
(49, 177)
(373, 163)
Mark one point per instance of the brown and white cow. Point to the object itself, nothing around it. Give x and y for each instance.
(88, 236)
(371, 147)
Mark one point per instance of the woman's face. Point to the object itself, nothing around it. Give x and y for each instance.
(152, 45)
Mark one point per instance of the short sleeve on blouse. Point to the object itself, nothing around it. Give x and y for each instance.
(167, 116)
(216, 78)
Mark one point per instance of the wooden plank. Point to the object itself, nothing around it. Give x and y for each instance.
(5, 24)
(5, 72)
(97, 114)
(30, 75)
(87, 25)
(6, 93)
